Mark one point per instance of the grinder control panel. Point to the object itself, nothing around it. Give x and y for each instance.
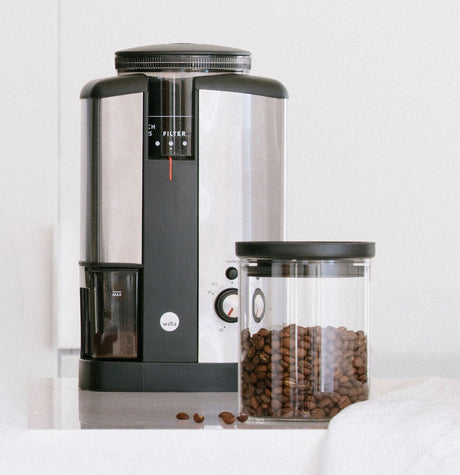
(170, 118)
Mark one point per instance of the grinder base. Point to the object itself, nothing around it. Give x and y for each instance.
(141, 376)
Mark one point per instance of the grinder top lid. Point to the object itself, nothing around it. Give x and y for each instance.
(183, 57)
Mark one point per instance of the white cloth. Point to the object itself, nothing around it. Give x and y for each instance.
(411, 430)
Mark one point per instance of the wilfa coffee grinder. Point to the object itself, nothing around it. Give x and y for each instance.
(182, 155)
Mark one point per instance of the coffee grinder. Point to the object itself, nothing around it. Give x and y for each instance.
(183, 153)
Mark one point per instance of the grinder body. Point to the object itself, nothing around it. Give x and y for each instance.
(176, 167)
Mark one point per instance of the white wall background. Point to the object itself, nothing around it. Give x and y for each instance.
(373, 150)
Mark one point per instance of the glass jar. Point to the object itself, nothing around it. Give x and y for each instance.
(304, 328)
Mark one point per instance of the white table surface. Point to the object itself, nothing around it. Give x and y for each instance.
(164, 445)
(152, 441)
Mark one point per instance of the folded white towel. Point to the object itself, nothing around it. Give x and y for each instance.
(411, 430)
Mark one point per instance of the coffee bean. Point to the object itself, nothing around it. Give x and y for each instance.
(225, 414)
(259, 343)
(324, 402)
(353, 393)
(182, 416)
(358, 361)
(289, 382)
(318, 413)
(250, 366)
(286, 351)
(301, 353)
(242, 418)
(267, 349)
(344, 402)
(304, 344)
(288, 392)
(265, 398)
(264, 357)
(228, 419)
(253, 402)
(350, 335)
(198, 418)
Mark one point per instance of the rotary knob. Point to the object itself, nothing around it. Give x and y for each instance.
(226, 305)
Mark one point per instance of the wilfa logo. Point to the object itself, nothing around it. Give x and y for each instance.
(169, 321)
(116, 293)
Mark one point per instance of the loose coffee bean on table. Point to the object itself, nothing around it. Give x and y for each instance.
(198, 418)
(303, 372)
(242, 418)
(182, 416)
(228, 419)
(225, 414)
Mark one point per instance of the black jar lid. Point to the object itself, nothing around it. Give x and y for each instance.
(305, 250)
(183, 57)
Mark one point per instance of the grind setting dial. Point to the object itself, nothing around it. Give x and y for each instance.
(226, 305)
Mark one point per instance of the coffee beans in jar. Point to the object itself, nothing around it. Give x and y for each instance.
(301, 372)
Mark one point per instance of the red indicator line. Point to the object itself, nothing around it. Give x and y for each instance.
(170, 168)
(229, 313)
